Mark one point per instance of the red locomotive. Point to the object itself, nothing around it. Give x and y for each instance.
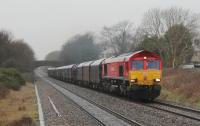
(136, 74)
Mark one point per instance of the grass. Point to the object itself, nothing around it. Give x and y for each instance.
(11, 78)
(181, 86)
(19, 108)
(28, 76)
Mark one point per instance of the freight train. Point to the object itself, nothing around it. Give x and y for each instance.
(136, 74)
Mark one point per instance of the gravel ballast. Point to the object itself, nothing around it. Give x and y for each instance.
(71, 114)
(140, 113)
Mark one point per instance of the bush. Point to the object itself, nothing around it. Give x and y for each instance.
(11, 78)
(28, 76)
(25, 121)
(184, 82)
(3, 91)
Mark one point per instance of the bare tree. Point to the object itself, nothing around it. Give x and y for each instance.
(177, 26)
(197, 43)
(156, 22)
(152, 24)
(182, 26)
(179, 45)
(118, 37)
(174, 16)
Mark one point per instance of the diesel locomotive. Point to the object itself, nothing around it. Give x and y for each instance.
(136, 74)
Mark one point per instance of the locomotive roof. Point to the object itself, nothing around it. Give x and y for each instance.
(97, 62)
(125, 56)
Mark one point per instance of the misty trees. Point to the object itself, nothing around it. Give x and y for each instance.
(21, 56)
(5, 40)
(152, 43)
(170, 33)
(53, 56)
(15, 53)
(118, 37)
(78, 49)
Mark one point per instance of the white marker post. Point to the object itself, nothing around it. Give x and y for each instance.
(54, 107)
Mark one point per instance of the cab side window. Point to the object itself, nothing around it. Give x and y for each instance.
(121, 70)
(105, 69)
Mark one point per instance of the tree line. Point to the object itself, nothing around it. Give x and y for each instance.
(172, 33)
(15, 53)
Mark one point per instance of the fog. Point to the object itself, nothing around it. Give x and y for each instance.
(46, 24)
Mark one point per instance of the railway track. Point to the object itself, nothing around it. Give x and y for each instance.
(115, 114)
(118, 115)
(170, 108)
(176, 109)
(166, 107)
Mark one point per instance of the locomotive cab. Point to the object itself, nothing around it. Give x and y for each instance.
(145, 72)
(136, 74)
(145, 76)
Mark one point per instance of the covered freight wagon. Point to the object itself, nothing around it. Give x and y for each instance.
(86, 72)
(69, 73)
(79, 73)
(95, 73)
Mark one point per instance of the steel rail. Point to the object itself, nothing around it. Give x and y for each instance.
(175, 107)
(184, 108)
(118, 115)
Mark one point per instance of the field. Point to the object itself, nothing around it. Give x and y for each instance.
(19, 108)
(181, 86)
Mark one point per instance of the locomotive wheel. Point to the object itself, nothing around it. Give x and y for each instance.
(148, 100)
(123, 90)
(109, 88)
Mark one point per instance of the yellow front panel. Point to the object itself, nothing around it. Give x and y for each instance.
(145, 77)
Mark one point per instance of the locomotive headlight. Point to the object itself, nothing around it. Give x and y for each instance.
(157, 80)
(134, 80)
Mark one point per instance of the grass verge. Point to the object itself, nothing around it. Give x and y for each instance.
(181, 86)
(19, 108)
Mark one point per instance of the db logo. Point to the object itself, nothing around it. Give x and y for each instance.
(145, 75)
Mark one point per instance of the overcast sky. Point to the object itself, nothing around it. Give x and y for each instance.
(46, 24)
